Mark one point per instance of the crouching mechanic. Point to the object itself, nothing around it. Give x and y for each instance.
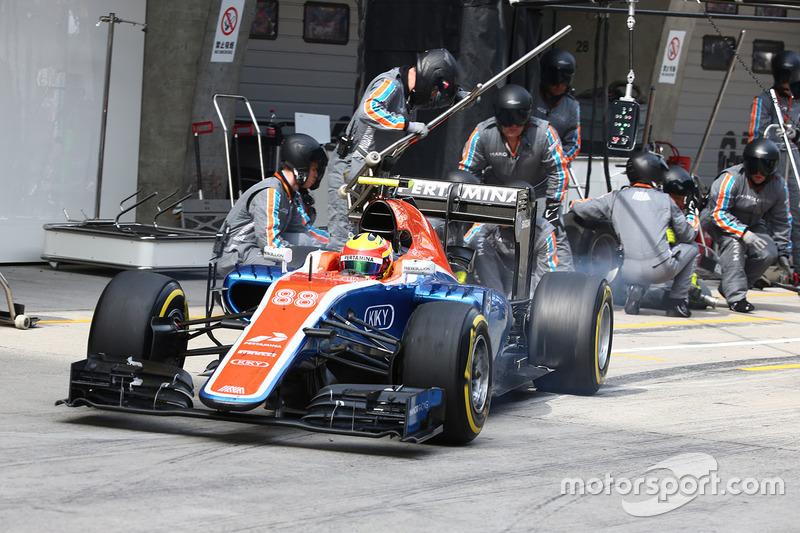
(680, 186)
(748, 217)
(786, 75)
(641, 216)
(271, 213)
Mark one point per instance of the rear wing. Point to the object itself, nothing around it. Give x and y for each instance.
(483, 204)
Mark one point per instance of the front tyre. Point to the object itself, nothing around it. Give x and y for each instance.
(121, 325)
(447, 345)
(571, 328)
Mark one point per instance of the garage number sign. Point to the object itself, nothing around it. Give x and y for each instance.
(224, 46)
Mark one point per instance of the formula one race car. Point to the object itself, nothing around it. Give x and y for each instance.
(413, 355)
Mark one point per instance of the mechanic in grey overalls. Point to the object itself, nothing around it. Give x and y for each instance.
(554, 103)
(763, 114)
(386, 114)
(271, 212)
(495, 244)
(681, 187)
(514, 146)
(748, 218)
(641, 216)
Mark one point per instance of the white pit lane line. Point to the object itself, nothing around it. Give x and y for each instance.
(623, 351)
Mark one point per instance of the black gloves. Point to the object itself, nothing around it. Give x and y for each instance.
(551, 212)
(692, 205)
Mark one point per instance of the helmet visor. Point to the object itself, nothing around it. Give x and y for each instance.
(513, 117)
(563, 76)
(369, 266)
(764, 167)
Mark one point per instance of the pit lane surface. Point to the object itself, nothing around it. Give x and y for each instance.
(708, 403)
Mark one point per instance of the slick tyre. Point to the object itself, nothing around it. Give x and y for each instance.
(571, 328)
(447, 345)
(601, 247)
(595, 246)
(121, 325)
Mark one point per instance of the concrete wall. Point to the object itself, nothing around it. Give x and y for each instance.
(178, 86)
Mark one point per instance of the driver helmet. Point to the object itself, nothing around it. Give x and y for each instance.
(513, 106)
(367, 253)
(298, 151)
(761, 156)
(647, 168)
(557, 66)
(783, 63)
(436, 69)
(679, 182)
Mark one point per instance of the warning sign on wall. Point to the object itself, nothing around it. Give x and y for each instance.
(672, 55)
(224, 48)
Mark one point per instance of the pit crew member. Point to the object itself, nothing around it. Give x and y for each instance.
(747, 216)
(785, 69)
(271, 213)
(386, 114)
(513, 146)
(641, 215)
(554, 103)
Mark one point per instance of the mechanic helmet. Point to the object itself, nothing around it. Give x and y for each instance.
(761, 156)
(298, 151)
(794, 82)
(367, 253)
(513, 106)
(462, 176)
(679, 182)
(783, 63)
(646, 167)
(557, 66)
(436, 69)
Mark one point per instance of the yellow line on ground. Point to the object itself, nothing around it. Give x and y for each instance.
(756, 294)
(85, 320)
(770, 367)
(74, 321)
(687, 322)
(615, 354)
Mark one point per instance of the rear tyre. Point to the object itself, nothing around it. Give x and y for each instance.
(121, 322)
(447, 345)
(571, 328)
(595, 246)
(602, 251)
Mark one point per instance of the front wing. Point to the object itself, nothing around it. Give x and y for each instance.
(410, 414)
